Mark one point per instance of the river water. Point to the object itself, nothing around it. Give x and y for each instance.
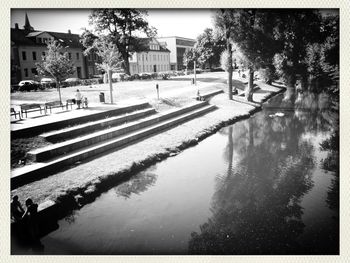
(260, 186)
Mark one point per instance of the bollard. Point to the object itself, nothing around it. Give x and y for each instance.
(157, 88)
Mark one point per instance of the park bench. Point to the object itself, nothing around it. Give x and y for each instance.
(25, 108)
(70, 102)
(53, 104)
(14, 112)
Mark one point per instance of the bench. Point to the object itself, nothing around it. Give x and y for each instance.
(70, 102)
(25, 108)
(13, 112)
(53, 104)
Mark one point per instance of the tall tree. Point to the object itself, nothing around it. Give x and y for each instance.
(122, 25)
(190, 56)
(56, 64)
(209, 48)
(297, 30)
(225, 23)
(108, 52)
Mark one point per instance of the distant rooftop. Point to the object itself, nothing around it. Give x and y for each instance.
(185, 38)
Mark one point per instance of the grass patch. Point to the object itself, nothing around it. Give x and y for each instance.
(21, 146)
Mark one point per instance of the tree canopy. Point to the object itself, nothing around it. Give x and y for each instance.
(106, 50)
(122, 26)
(56, 64)
(209, 48)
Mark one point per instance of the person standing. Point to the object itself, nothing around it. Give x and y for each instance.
(30, 217)
(78, 98)
(16, 209)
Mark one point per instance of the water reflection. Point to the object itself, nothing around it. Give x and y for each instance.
(256, 206)
(136, 184)
(241, 191)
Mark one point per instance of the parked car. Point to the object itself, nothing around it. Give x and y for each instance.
(27, 85)
(145, 75)
(48, 82)
(135, 76)
(120, 76)
(71, 82)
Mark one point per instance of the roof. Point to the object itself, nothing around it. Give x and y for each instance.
(176, 37)
(23, 37)
(146, 47)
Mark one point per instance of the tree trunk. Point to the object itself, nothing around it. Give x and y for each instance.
(229, 84)
(110, 84)
(59, 89)
(249, 89)
(126, 63)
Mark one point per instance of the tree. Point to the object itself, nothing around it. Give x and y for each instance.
(190, 56)
(56, 64)
(209, 48)
(224, 23)
(121, 25)
(235, 55)
(105, 48)
(298, 30)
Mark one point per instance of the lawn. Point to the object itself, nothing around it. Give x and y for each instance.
(137, 89)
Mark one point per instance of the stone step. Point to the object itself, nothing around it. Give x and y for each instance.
(36, 171)
(79, 130)
(62, 123)
(51, 151)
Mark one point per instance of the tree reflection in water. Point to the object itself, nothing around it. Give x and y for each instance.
(256, 207)
(137, 184)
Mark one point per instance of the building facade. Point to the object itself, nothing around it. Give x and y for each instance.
(177, 47)
(29, 46)
(153, 57)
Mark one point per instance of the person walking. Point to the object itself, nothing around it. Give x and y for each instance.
(78, 98)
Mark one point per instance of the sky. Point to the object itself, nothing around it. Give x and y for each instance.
(169, 22)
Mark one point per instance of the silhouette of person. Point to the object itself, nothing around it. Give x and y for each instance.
(16, 209)
(78, 98)
(30, 217)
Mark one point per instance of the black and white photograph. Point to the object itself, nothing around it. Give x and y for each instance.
(173, 131)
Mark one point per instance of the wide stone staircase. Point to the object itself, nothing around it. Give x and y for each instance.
(90, 138)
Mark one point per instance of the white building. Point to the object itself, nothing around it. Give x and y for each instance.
(28, 46)
(154, 57)
(177, 47)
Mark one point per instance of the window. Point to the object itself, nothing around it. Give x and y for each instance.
(89, 57)
(38, 40)
(24, 55)
(34, 55)
(43, 55)
(26, 72)
(77, 56)
(34, 71)
(70, 55)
